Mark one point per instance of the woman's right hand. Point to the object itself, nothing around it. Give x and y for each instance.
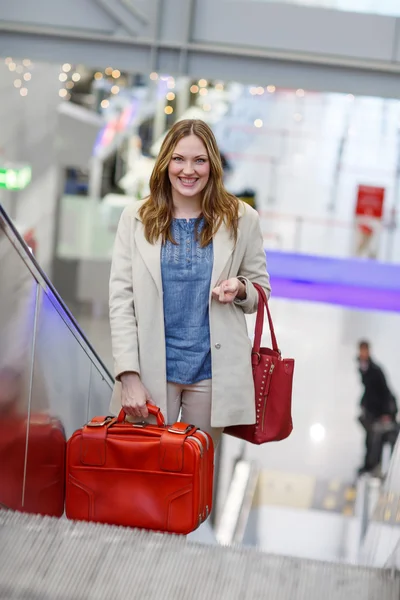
(134, 396)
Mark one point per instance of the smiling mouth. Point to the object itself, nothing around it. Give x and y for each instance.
(187, 181)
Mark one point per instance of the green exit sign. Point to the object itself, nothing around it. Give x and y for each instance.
(15, 178)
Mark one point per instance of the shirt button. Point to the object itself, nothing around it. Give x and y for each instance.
(218, 346)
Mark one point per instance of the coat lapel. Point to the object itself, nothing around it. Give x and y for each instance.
(223, 245)
(151, 255)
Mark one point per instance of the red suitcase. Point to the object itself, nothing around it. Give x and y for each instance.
(38, 488)
(140, 475)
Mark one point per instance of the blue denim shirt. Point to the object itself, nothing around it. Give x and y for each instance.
(186, 276)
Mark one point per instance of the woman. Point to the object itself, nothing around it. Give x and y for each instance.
(181, 281)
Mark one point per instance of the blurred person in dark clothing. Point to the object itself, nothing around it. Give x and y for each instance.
(379, 409)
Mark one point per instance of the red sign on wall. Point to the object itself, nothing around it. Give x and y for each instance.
(370, 201)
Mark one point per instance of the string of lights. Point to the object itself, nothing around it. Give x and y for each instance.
(23, 73)
(68, 77)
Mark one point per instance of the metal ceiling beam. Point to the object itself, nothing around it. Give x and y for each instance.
(124, 14)
(135, 12)
(189, 21)
(288, 69)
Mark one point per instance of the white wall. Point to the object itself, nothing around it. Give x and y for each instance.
(308, 534)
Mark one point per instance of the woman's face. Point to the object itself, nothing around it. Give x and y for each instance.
(189, 168)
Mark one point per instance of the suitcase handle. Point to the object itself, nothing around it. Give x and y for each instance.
(153, 410)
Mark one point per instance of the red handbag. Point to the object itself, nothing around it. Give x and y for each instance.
(140, 475)
(273, 380)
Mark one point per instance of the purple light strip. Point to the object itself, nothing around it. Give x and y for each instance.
(331, 293)
(355, 272)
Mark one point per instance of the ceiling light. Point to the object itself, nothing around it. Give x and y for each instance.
(23, 91)
(12, 66)
(260, 91)
(317, 433)
(194, 89)
(203, 92)
(63, 77)
(170, 96)
(168, 110)
(17, 83)
(253, 91)
(219, 87)
(300, 93)
(26, 62)
(27, 76)
(69, 85)
(8, 60)
(66, 67)
(116, 73)
(75, 77)
(98, 75)
(105, 104)
(203, 83)
(154, 76)
(258, 123)
(109, 71)
(271, 89)
(62, 93)
(115, 89)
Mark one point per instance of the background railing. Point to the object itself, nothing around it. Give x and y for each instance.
(324, 236)
(381, 543)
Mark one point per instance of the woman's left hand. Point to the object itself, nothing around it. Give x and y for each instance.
(226, 291)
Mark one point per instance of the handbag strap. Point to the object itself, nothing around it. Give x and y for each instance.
(263, 302)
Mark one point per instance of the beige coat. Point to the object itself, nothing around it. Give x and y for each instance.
(137, 317)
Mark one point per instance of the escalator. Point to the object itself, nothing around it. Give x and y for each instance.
(56, 559)
(51, 382)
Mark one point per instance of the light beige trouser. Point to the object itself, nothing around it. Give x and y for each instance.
(195, 402)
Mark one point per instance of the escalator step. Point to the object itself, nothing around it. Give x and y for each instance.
(55, 559)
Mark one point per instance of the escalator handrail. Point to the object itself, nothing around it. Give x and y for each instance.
(30, 261)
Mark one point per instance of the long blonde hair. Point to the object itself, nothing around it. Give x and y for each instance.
(217, 205)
